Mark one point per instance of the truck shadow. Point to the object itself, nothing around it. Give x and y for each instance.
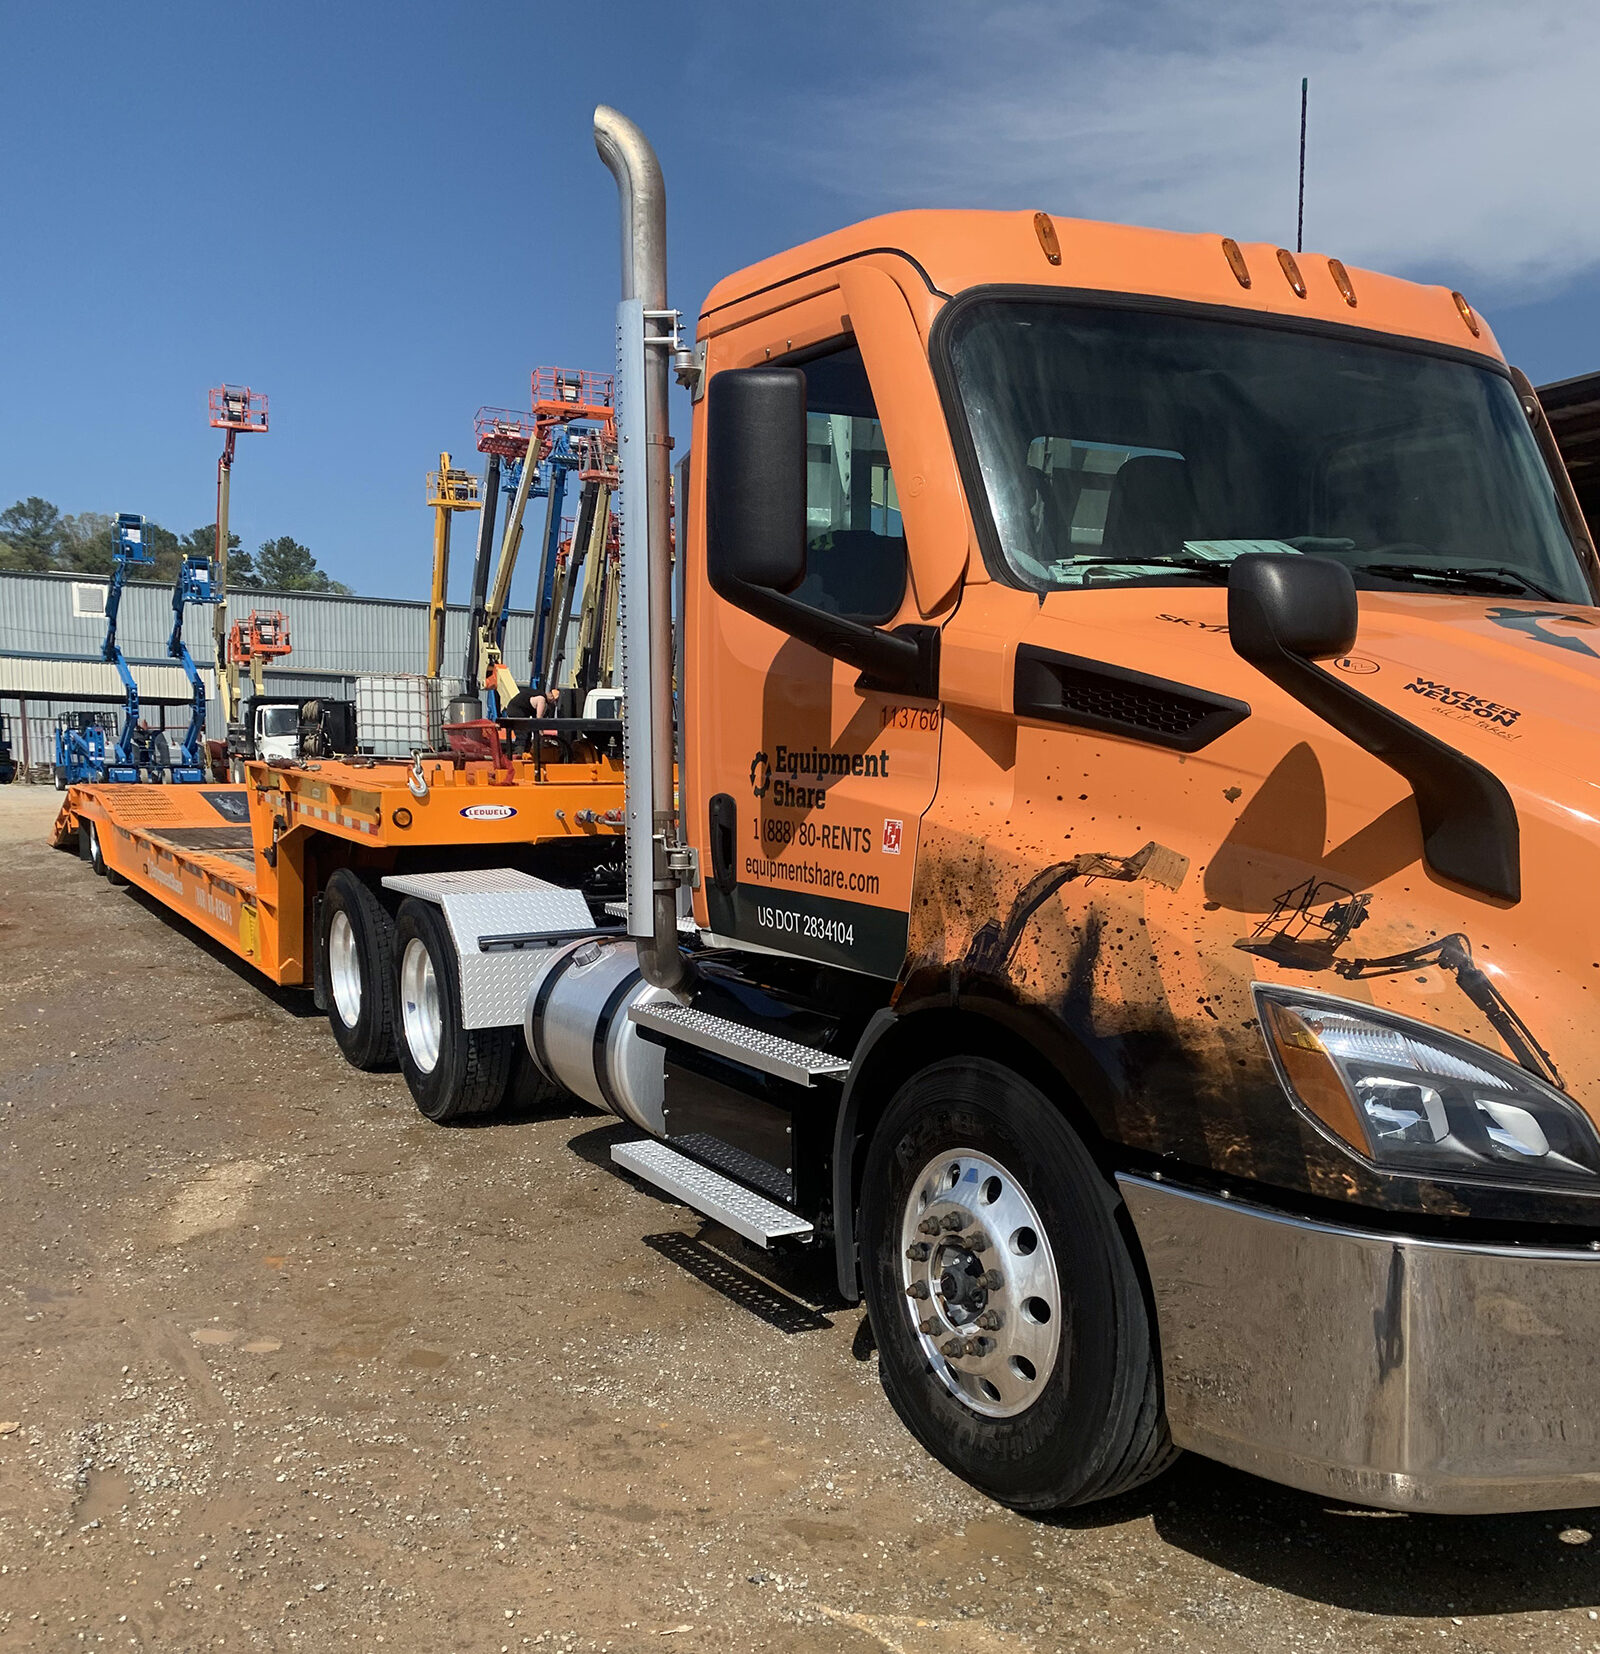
(1366, 1561)
(792, 1291)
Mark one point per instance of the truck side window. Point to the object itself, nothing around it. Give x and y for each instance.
(855, 543)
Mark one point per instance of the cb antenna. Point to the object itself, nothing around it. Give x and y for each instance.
(1300, 213)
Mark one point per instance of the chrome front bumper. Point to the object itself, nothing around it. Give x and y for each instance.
(1410, 1374)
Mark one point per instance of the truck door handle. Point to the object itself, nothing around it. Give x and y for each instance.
(724, 842)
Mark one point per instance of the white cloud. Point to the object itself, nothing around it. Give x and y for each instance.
(1451, 139)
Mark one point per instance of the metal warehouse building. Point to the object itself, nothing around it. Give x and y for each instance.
(52, 627)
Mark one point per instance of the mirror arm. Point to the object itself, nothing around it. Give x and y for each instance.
(1470, 832)
(901, 662)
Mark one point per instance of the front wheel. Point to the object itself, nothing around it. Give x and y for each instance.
(453, 1073)
(1013, 1336)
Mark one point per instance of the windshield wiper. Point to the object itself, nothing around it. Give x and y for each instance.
(1493, 579)
(1213, 566)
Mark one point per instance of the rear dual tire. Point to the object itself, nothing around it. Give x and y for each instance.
(453, 1073)
(358, 966)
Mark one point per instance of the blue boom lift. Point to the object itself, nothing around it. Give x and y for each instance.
(184, 760)
(83, 751)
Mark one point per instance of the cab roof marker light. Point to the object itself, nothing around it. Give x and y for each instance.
(1341, 280)
(1235, 258)
(1291, 272)
(1045, 229)
(1467, 315)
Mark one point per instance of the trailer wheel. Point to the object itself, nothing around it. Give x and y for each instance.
(89, 847)
(453, 1073)
(60, 777)
(1013, 1336)
(358, 958)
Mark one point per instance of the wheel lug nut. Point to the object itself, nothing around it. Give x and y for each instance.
(927, 1326)
(917, 1289)
(954, 1221)
(975, 1346)
(989, 1321)
(952, 1347)
(918, 1251)
(928, 1226)
(978, 1242)
(993, 1280)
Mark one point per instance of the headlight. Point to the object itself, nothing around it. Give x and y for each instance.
(1412, 1099)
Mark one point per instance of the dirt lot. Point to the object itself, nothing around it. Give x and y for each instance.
(284, 1366)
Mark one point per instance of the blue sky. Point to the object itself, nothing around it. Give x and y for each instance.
(386, 215)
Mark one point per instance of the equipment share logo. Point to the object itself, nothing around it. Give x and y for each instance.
(760, 774)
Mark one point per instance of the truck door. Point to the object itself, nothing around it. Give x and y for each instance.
(806, 790)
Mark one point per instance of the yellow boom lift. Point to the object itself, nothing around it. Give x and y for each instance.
(449, 490)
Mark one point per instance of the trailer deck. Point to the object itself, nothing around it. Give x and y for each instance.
(243, 862)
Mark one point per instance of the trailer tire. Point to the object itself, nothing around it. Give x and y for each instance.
(1038, 1419)
(60, 778)
(89, 847)
(357, 944)
(453, 1073)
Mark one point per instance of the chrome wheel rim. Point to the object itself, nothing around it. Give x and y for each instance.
(419, 1006)
(982, 1289)
(344, 969)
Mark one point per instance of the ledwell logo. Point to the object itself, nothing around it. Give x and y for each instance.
(489, 812)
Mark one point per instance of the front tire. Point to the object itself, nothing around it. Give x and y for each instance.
(453, 1073)
(1013, 1336)
(358, 959)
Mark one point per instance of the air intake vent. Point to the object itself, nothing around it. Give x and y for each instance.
(1067, 689)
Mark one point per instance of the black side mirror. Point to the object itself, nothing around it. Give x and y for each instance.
(1286, 611)
(756, 530)
(756, 480)
(1305, 606)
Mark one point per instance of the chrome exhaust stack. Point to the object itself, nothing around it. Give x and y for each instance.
(647, 337)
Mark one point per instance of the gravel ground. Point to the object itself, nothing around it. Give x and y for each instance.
(284, 1366)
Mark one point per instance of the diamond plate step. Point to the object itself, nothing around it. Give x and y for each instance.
(771, 1053)
(710, 1193)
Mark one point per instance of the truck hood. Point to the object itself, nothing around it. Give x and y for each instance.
(1514, 684)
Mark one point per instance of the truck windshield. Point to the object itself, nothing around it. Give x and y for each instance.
(280, 720)
(1120, 444)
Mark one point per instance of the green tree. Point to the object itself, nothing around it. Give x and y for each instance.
(284, 565)
(86, 543)
(31, 532)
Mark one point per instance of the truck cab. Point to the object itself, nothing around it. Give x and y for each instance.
(1128, 889)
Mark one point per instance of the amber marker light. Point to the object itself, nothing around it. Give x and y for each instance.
(401, 817)
(1341, 280)
(1236, 263)
(1466, 314)
(1046, 232)
(1311, 1072)
(1291, 272)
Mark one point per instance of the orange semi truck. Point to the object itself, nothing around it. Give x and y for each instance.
(1110, 850)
